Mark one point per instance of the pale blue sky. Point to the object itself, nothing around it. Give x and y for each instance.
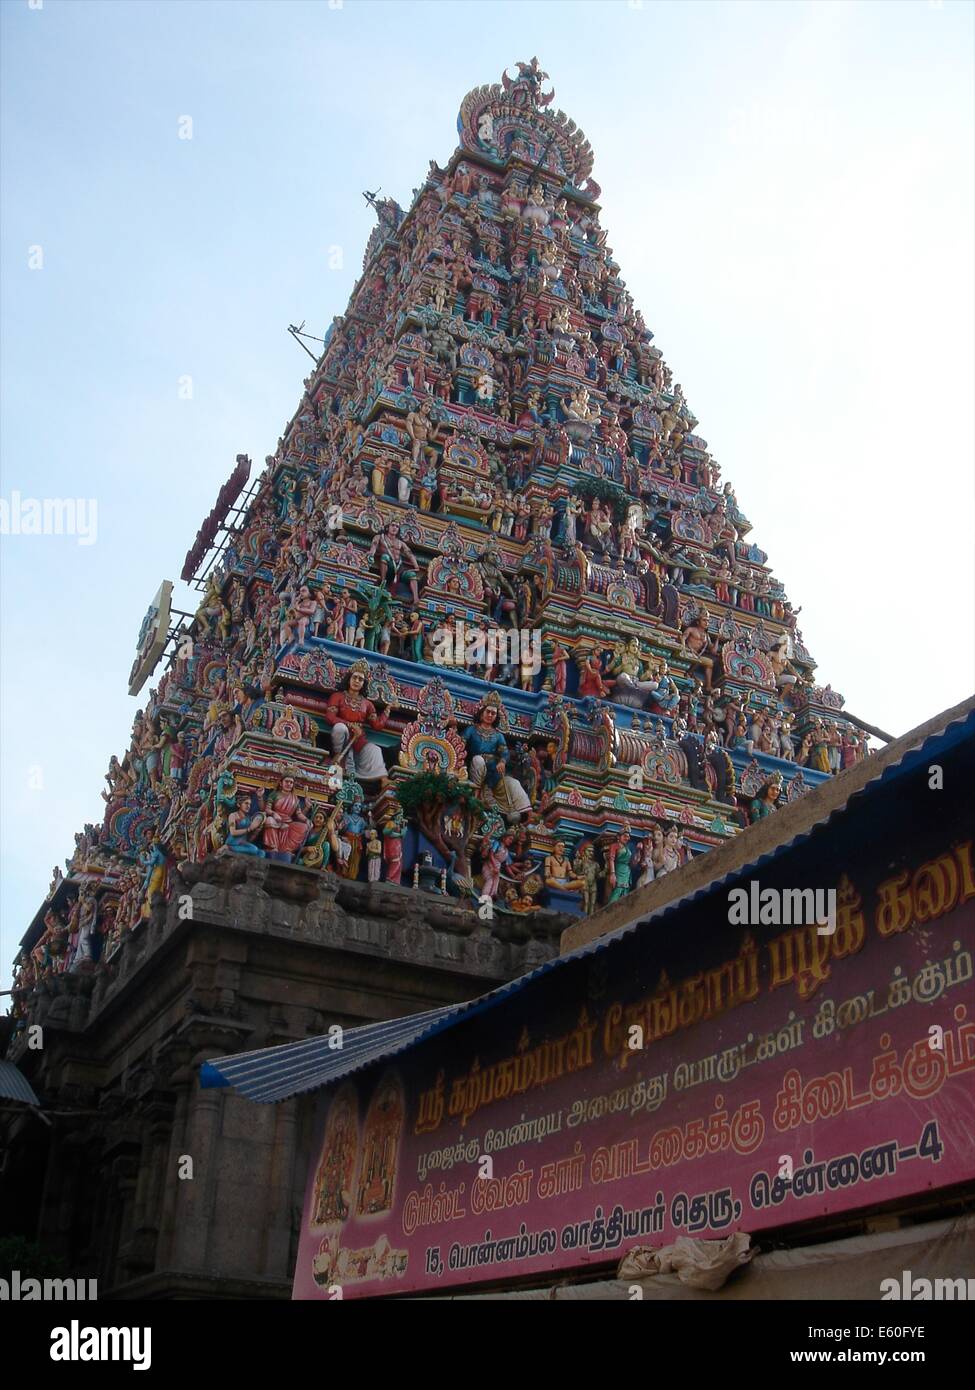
(788, 189)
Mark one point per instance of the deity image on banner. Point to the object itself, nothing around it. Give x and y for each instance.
(332, 1264)
(335, 1178)
(325, 1260)
(380, 1147)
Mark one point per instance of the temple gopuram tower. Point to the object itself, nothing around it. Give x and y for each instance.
(486, 645)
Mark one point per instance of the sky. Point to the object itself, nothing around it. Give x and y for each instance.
(788, 189)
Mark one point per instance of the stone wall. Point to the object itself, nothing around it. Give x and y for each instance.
(246, 955)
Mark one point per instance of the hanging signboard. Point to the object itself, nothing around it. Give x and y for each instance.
(788, 1076)
(153, 636)
(207, 533)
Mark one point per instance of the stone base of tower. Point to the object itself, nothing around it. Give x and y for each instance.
(158, 1188)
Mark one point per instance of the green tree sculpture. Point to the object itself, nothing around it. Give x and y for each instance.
(426, 797)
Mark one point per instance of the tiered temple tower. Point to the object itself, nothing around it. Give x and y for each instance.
(491, 623)
(487, 643)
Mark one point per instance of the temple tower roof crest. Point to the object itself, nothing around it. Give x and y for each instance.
(512, 119)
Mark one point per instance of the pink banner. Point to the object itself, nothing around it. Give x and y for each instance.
(806, 1075)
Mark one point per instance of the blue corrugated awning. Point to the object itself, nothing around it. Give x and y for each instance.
(277, 1073)
(15, 1086)
(272, 1073)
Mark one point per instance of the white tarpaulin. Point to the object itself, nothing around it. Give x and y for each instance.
(841, 1269)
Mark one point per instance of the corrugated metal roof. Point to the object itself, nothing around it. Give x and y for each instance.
(15, 1086)
(277, 1073)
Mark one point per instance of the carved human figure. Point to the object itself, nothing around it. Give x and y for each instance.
(393, 832)
(394, 560)
(559, 874)
(404, 484)
(778, 657)
(242, 827)
(787, 748)
(320, 845)
(87, 912)
(578, 408)
(591, 674)
(600, 526)
(585, 868)
(535, 211)
(500, 591)
(285, 823)
(673, 850)
(665, 697)
(423, 434)
(349, 713)
(427, 487)
(300, 613)
(344, 625)
(655, 852)
(487, 754)
(495, 855)
(351, 834)
(635, 680)
(819, 748)
(697, 641)
(767, 799)
(463, 180)
(631, 532)
(575, 508)
(643, 862)
(619, 855)
(556, 661)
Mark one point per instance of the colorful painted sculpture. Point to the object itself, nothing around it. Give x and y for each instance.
(768, 795)
(619, 857)
(487, 753)
(349, 713)
(491, 443)
(285, 824)
(560, 874)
